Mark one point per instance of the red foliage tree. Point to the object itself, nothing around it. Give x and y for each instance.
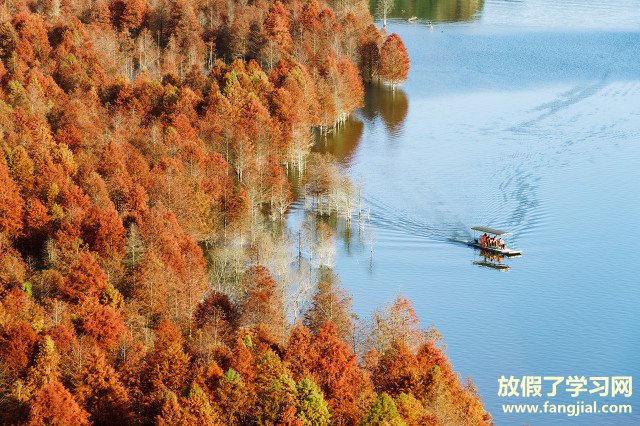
(85, 278)
(397, 371)
(11, 204)
(104, 233)
(300, 353)
(277, 32)
(263, 303)
(170, 411)
(128, 15)
(17, 345)
(351, 88)
(219, 313)
(167, 367)
(345, 385)
(394, 60)
(102, 323)
(331, 303)
(34, 42)
(100, 392)
(397, 323)
(37, 219)
(54, 405)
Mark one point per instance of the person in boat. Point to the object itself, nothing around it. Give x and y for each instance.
(483, 240)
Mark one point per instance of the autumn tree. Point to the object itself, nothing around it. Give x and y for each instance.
(178, 259)
(351, 88)
(332, 304)
(17, 346)
(170, 412)
(397, 323)
(219, 313)
(33, 44)
(277, 33)
(263, 302)
(168, 365)
(102, 322)
(312, 409)
(443, 393)
(383, 8)
(11, 204)
(21, 168)
(276, 392)
(128, 15)
(413, 412)
(196, 409)
(184, 35)
(99, 390)
(8, 39)
(85, 278)
(397, 371)
(300, 352)
(345, 385)
(104, 233)
(232, 397)
(53, 404)
(394, 61)
(46, 368)
(383, 411)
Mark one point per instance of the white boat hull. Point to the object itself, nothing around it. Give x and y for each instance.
(502, 251)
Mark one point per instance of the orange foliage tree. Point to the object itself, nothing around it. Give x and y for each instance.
(394, 61)
(138, 137)
(53, 404)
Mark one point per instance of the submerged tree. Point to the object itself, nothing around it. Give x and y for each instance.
(394, 61)
(383, 8)
(137, 172)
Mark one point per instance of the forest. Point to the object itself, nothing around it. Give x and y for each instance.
(150, 152)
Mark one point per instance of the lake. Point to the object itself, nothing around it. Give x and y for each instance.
(523, 115)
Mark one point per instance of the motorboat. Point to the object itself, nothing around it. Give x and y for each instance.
(500, 249)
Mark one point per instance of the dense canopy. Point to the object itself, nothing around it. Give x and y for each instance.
(148, 150)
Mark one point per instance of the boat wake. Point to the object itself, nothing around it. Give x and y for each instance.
(385, 216)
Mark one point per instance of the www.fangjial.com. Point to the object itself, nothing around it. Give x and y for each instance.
(571, 410)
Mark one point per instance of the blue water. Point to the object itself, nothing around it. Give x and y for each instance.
(525, 118)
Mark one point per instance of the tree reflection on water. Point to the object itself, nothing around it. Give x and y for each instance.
(391, 106)
(435, 10)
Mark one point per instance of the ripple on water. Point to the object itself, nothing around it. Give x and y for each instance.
(566, 14)
(532, 131)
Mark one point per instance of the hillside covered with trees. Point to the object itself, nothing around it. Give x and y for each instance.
(148, 149)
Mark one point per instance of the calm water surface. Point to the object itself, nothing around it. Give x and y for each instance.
(526, 117)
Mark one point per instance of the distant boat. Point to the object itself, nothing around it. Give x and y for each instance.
(503, 250)
(413, 19)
